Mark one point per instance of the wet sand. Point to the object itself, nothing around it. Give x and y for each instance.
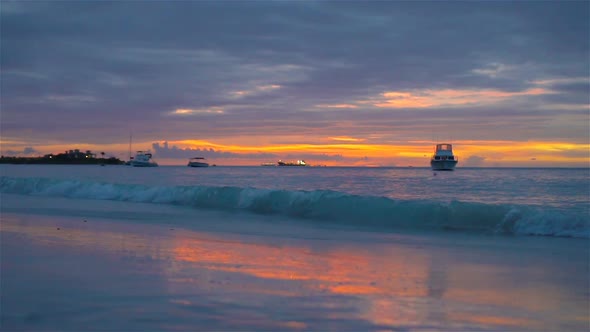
(235, 272)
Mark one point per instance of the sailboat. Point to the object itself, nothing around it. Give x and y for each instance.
(128, 162)
(141, 159)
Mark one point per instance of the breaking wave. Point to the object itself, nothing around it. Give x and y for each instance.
(325, 206)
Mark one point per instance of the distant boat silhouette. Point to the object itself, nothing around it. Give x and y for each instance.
(289, 163)
(197, 162)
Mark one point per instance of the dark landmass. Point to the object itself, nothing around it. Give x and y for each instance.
(43, 160)
(72, 157)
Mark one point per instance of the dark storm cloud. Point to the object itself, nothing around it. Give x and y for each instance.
(114, 67)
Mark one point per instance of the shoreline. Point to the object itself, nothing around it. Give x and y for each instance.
(122, 270)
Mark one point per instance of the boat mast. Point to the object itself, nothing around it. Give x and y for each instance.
(130, 138)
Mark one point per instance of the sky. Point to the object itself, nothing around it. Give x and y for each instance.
(337, 83)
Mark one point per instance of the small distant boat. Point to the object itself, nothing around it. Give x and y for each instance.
(443, 158)
(143, 159)
(268, 164)
(197, 162)
(289, 163)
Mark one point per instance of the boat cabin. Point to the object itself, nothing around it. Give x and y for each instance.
(143, 156)
(443, 152)
(446, 149)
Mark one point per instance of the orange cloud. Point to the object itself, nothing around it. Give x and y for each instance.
(188, 111)
(336, 106)
(256, 90)
(562, 80)
(346, 139)
(449, 97)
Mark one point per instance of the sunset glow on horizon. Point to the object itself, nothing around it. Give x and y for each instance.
(335, 84)
(351, 152)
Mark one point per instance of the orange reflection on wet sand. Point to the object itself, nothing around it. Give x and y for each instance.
(392, 283)
(378, 277)
(492, 320)
(347, 271)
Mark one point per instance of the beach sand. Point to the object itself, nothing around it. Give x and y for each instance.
(122, 266)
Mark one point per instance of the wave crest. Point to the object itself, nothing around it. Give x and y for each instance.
(324, 206)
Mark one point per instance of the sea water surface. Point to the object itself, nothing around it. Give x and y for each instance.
(117, 248)
(521, 201)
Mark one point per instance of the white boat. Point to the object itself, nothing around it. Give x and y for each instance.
(142, 159)
(443, 158)
(197, 162)
(291, 163)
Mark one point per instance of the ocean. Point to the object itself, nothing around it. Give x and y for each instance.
(519, 201)
(173, 248)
